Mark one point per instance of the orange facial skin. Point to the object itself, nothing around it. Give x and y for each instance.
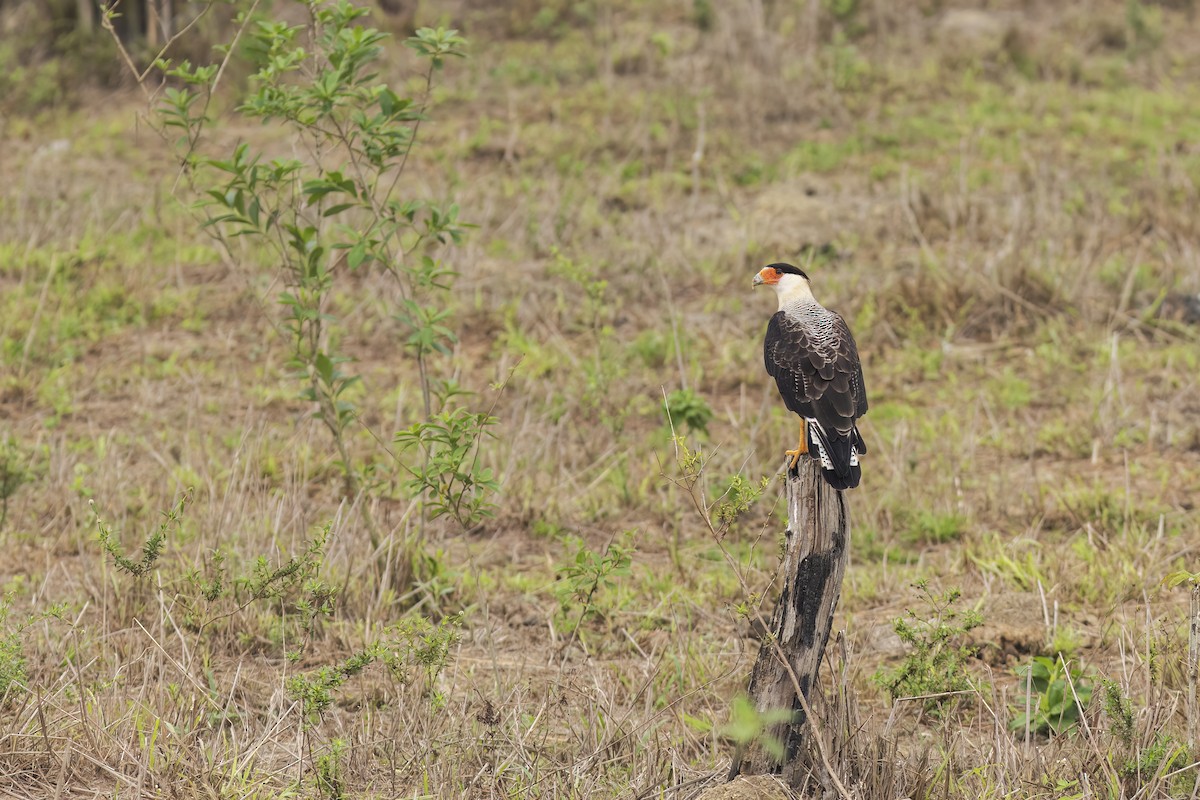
(768, 276)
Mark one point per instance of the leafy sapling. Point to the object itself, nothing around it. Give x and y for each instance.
(334, 208)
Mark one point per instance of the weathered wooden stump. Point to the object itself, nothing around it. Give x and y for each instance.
(814, 563)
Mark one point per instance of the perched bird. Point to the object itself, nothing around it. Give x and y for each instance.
(811, 354)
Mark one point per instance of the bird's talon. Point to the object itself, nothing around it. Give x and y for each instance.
(794, 455)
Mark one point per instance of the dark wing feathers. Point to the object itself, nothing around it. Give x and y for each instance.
(859, 388)
(816, 379)
(820, 380)
(841, 398)
(786, 354)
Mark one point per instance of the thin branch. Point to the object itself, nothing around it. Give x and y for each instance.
(106, 19)
(141, 77)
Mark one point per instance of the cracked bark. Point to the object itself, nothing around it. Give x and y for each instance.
(814, 563)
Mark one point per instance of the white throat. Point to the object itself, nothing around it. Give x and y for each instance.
(793, 289)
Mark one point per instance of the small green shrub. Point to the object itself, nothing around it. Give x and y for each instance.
(314, 689)
(685, 407)
(736, 500)
(291, 594)
(935, 669)
(583, 581)
(448, 473)
(13, 677)
(1119, 710)
(413, 649)
(328, 771)
(1164, 754)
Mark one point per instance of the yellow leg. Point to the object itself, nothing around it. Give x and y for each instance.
(801, 447)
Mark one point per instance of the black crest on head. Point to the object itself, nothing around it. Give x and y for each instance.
(788, 269)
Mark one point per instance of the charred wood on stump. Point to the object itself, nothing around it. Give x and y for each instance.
(814, 563)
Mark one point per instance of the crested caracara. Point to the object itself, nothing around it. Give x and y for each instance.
(810, 353)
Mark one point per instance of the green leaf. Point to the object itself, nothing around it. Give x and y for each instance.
(357, 255)
(1182, 576)
(324, 367)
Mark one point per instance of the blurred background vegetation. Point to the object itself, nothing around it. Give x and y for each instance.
(1001, 198)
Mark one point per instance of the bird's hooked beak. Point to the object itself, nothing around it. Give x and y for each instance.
(757, 280)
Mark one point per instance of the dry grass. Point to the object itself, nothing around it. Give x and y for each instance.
(998, 221)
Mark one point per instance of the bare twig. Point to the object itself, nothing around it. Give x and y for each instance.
(106, 18)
